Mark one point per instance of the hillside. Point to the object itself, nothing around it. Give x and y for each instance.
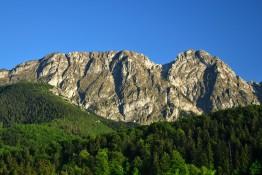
(224, 142)
(33, 103)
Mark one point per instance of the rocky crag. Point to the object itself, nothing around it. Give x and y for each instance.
(127, 86)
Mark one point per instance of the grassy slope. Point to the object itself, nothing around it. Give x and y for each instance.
(28, 103)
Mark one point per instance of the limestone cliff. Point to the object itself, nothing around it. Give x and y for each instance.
(127, 86)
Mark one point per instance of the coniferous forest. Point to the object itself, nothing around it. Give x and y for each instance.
(43, 134)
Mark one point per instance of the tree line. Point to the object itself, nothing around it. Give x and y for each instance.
(224, 142)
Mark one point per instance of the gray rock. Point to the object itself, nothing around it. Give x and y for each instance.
(127, 86)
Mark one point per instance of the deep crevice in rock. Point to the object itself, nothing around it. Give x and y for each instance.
(116, 67)
(118, 78)
(258, 91)
(210, 76)
(87, 67)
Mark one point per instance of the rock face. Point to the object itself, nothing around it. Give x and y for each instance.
(127, 86)
(258, 90)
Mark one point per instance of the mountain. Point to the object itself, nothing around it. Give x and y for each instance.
(127, 86)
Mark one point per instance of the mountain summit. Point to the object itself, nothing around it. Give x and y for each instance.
(127, 86)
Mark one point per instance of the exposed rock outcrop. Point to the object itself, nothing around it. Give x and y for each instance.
(127, 86)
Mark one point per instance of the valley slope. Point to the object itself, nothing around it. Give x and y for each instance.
(33, 104)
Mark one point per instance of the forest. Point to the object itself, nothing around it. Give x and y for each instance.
(43, 134)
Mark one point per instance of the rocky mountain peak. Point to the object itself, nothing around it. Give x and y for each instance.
(192, 55)
(128, 86)
(3, 73)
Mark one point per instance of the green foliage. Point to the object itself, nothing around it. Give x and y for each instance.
(177, 165)
(33, 134)
(255, 168)
(83, 124)
(29, 103)
(68, 141)
(102, 165)
(135, 172)
(84, 155)
(33, 103)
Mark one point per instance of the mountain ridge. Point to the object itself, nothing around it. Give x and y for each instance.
(128, 86)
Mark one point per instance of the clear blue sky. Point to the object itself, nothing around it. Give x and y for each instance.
(230, 29)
